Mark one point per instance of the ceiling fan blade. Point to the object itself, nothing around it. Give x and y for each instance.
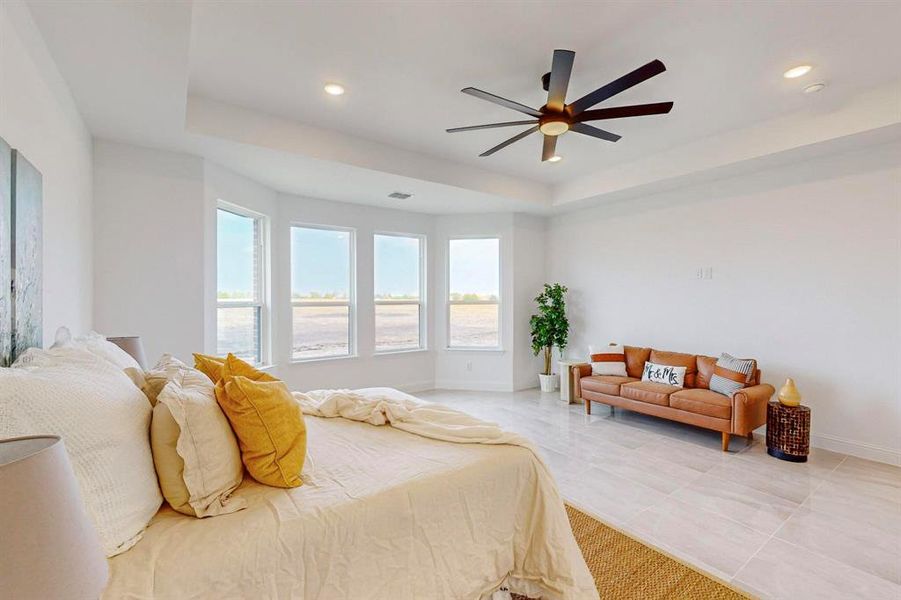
(618, 112)
(561, 69)
(594, 132)
(489, 126)
(549, 148)
(506, 143)
(501, 101)
(655, 67)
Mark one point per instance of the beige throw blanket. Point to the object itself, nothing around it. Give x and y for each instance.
(552, 563)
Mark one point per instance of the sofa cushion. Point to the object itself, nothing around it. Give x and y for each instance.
(605, 384)
(635, 359)
(702, 402)
(607, 360)
(705, 371)
(646, 391)
(732, 374)
(678, 359)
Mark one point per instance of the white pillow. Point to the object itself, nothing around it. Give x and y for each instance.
(194, 449)
(103, 420)
(667, 374)
(608, 360)
(96, 343)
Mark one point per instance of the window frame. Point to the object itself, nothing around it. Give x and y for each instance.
(421, 303)
(449, 303)
(262, 278)
(351, 292)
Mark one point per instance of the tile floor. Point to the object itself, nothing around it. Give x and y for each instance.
(828, 528)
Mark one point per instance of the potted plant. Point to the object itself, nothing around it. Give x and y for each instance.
(549, 328)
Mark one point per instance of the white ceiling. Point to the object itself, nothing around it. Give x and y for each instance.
(403, 64)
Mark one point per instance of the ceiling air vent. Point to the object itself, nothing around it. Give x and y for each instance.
(399, 195)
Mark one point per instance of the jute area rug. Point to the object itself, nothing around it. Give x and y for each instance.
(625, 568)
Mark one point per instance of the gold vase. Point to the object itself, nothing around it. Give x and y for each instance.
(789, 394)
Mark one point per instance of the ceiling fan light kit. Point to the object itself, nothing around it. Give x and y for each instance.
(556, 117)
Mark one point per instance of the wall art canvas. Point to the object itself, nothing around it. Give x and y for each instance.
(27, 227)
(6, 299)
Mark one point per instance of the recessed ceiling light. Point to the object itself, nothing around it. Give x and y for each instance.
(334, 89)
(814, 88)
(798, 71)
(555, 158)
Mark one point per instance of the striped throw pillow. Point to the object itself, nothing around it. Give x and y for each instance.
(732, 374)
(608, 360)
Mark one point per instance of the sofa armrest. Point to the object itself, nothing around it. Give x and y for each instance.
(579, 371)
(749, 407)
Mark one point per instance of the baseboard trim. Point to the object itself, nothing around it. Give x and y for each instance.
(473, 386)
(864, 450)
(859, 449)
(416, 386)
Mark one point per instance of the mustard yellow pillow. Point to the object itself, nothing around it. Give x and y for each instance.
(267, 421)
(211, 366)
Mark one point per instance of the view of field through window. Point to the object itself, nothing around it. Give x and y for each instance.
(398, 285)
(321, 291)
(239, 311)
(474, 280)
(321, 279)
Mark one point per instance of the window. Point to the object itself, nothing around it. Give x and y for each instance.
(398, 292)
(473, 293)
(240, 307)
(322, 303)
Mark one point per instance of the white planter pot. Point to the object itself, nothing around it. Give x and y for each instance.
(548, 382)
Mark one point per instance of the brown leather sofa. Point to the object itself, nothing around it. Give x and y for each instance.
(694, 404)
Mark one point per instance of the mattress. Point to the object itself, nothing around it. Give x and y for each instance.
(382, 514)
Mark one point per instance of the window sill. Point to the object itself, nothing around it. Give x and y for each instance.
(481, 350)
(393, 352)
(303, 361)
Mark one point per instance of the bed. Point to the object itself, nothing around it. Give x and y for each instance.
(401, 499)
(384, 514)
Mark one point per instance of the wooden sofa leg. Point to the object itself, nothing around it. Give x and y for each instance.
(725, 442)
(750, 436)
(587, 406)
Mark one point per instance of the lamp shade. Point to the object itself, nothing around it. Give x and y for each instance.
(131, 344)
(49, 546)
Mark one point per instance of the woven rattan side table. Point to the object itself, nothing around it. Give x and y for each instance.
(788, 432)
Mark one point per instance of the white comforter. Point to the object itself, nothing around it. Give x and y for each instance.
(382, 514)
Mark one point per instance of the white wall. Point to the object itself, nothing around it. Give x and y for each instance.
(149, 247)
(528, 281)
(806, 266)
(38, 117)
(411, 371)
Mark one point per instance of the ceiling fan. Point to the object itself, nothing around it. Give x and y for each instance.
(556, 117)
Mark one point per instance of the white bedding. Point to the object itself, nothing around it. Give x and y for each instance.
(383, 514)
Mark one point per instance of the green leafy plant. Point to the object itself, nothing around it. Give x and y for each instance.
(549, 327)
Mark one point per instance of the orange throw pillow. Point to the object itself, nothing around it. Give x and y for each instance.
(267, 421)
(211, 366)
